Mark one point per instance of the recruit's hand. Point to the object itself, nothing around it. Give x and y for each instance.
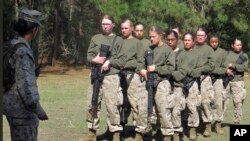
(230, 65)
(151, 68)
(143, 73)
(98, 59)
(105, 66)
(230, 72)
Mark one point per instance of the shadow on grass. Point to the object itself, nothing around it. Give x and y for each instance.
(130, 133)
(107, 135)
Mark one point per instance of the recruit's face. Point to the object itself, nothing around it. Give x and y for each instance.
(126, 29)
(188, 41)
(172, 41)
(107, 26)
(237, 46)
(154, 37)
(201, 37)
(139, 31)
(214, 42)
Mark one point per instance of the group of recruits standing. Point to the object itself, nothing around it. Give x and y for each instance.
(192, 57)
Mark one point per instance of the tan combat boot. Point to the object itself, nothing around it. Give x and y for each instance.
(167, 138)
(207, 132)
(138, 137)
(176, 136)
(90, 137)
(192, 133)
(218, 128)
(116, 136)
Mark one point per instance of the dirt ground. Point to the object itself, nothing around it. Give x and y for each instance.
(60, 69)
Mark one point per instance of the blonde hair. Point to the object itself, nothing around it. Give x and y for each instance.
(106, 16)
(156, 29)
(129, 21)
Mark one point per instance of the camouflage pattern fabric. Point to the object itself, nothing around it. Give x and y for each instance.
(180, 104)
(142, 104)
(193, 101)
(22, 100)
(23, 129)
(165, 100)
(218, 100)
(133, 94)
(237, 90)
(207, 94)
(112, 94)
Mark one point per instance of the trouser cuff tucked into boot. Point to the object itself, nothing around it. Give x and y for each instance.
(138, 136)
(167, 137)
(207, 132)
(176, 136)
(218, 128)
(116, 136)
(192, 133)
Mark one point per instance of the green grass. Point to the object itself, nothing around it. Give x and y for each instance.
(64, 95)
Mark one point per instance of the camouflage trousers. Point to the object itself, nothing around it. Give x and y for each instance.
(141, 94)
(207, 97)
(23, 129)
(193, 101)
(218, 100)
(111, 92)
(132, 94)
(165, 100)
(180, 104)
(237, 90)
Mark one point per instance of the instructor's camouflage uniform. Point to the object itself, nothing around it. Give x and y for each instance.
(21, 102)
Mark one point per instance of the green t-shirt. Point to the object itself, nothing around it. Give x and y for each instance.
(205, 56)
(163, 59)
(239, 69)
(115, 60)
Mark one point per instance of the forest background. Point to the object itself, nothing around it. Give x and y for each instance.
(68, 25)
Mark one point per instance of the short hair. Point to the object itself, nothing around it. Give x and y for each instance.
(176, 26)
(129, 21)
(201, 28)
(188, 33)
(235, 39)
(139, 23)
(106, 16)
(171, 32)
(156, 29)
(211, 35)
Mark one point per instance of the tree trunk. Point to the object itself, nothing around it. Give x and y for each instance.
(55, 39)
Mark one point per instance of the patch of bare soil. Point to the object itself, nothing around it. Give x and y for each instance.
(60, 69)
